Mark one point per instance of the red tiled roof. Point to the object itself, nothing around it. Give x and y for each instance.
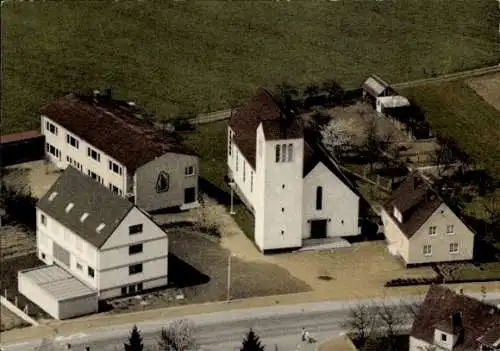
(114, 128)
(276, 124)
(416, 200)
(30, 134)
(440, 304)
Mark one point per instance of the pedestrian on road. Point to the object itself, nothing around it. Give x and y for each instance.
(304, 334)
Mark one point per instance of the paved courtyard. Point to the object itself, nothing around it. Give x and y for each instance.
(38, 175)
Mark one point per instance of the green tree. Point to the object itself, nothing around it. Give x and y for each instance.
(252, 342)
(134, 341)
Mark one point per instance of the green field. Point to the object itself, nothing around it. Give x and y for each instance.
(173, 57)
(455, 110)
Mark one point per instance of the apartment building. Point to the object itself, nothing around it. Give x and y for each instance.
(96, 244)
(111, 142)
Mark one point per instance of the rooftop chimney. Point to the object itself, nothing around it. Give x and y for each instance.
(456, 321)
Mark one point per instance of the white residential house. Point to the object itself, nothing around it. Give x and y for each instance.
(295, 191)
(421, 228)
(109, 141)
(97, 246)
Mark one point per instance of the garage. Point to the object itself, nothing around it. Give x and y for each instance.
(57, 292)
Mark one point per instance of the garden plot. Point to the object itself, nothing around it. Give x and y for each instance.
(16, 242)
(357, 119)
(9, 320)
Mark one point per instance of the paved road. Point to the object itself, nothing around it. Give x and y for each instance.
(221, 331)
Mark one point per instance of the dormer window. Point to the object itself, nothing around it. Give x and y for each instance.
(397, 214)
(52, 196)
(100, 227)
(84, 217)
(444, 337)
(69, 207)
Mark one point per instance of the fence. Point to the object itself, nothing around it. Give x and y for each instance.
(14, 308)
(211, 117)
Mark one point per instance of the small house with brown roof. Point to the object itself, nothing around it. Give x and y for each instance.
(454, 322)
(111, 142)
(420, 228)
(375, 87)
(294, 190)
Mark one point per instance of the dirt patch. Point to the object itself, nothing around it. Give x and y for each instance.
(358, 271)
(9, 320)
(488, 87)
(39, 176)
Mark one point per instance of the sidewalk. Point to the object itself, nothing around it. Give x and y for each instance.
(97, 322)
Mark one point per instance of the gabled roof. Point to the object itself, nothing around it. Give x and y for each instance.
(276, 123)
(375, 86)
(114, 128)
(440, 304)
(87, 196)
(416, 200)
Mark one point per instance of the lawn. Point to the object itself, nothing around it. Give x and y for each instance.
(173, 57)
(209, 140)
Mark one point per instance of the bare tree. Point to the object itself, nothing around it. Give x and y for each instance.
(450, 271)
(413, 308)
(360, 323)
(311, 90)
(492, 208)
(177, 337)
(390, 321)
(442, 157)
(337, 136)
(334, 90)
(373, 143)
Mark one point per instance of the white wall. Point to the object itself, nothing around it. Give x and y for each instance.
(120, 275)
(394, 236)
(80, 250)
(281, 185)
(417, 344)
(440, 242)
(80, 155)
(243, 183)
(340, 205)
(114, 260)
(38, 295)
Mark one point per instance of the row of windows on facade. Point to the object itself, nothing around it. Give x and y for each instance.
(450, 229)
(427, 249)
(71, 140)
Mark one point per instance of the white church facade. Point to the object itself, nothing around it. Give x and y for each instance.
(294, 191)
